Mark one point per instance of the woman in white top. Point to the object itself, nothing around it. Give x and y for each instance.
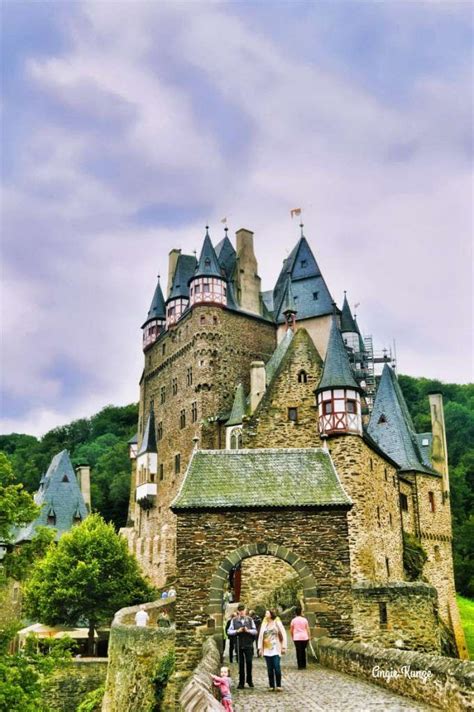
(272, 644)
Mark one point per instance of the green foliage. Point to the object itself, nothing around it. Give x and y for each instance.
(18, 562)
(163, 672)
(286, 595)
(92, 702)
(87, 576)
(466, 610)
(23, 674)
(100, 441)
(459, 419)
(17, 507)
(414, 557)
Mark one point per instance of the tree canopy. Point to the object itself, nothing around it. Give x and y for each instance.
(17, 507)
(86, 577)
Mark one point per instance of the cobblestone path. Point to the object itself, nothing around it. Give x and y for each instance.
(315, 689)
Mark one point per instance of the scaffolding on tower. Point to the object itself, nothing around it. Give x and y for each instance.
(366, 365)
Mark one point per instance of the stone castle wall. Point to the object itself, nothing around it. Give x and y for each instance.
(411, 611)
(260, 576)
(66, 689)
(218, 345)
(270, 426)
(375, 529)
(317, 538)
(442, 682)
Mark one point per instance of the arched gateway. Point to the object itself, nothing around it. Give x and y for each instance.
(236, 504)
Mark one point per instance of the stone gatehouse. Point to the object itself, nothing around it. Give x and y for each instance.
(299, 516)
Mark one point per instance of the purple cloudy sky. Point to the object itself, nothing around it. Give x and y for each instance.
(128, 126)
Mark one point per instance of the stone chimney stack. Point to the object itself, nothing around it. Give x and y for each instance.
(172, 262)
(83, 474)
(247, 280)
(439, 453)
(257, 383)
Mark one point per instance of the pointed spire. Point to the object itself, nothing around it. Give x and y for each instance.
(185, 267)
(337, 372)
(208, 265)
(301, 229)
(149, 436)
(395, 432)
(238, 407)
(347, 321)
(157, 307)
(361, 339)
(289, 304)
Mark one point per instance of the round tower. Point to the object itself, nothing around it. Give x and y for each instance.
(207, 285)
(349, 329)
(155, 321)
(178, 299)
(338, 394)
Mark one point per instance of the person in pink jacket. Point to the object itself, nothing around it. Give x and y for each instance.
(299, 629)
(272, 643)
(223, 682)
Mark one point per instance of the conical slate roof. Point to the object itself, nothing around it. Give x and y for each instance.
(347, 321)
(59, 495)
(149, 436)
(361, 340)
(208, 265)
(185, 267)
(238, 407)
(289, 304)
(226, 255)
(157, 308)
(310, 291)
(337, 372)
(391, 425)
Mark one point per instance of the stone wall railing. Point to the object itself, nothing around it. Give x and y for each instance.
(134, 653)
(442, 682)
(197, 695)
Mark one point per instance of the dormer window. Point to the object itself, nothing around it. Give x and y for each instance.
(315, 296)
(207, 262)
(304, 263)
(65, 479)
(51, 521)
(382, 419)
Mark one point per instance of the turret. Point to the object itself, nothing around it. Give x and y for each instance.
(147, 463)
(207, 285)
(156, 318)
(233, 427)
(349, 329)
(289, 309)
(338, 394)
(178, 299)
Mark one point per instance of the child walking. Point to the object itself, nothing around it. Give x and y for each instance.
(224, 683)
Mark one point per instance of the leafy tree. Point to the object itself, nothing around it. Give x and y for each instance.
(18, 562)
(17, 507)
(88, 576)
(23, 674)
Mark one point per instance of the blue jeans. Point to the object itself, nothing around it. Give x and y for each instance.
(273, 670)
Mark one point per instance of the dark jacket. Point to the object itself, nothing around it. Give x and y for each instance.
(247, 638)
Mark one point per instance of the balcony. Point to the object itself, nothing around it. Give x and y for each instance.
(146, 491)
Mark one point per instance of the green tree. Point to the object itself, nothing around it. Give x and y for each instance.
(88, 576)
(17, 507)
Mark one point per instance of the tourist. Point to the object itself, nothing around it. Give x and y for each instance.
(232, 638)
(272, 644)
(164, 594)
(141, 617)
(164, 619)
(224, 683)
(172, 592)
(299, 629)
(243, 627)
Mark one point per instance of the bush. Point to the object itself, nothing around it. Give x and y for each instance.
(92, 702)
(414, 557)
(163, 672)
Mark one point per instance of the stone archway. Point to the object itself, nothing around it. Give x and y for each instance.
(219, 580)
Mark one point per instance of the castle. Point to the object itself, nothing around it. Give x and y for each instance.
(261, 406)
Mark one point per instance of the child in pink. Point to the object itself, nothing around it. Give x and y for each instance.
(224, 684)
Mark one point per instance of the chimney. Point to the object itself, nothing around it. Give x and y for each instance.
(247, 279)
(257, 383)
(83, 474)
(172, 262)
(439, 451)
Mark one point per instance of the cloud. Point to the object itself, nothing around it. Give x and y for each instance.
(154, 118)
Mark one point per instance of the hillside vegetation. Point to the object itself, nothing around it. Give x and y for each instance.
(101, 441)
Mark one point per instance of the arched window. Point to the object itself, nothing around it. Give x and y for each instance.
(236, 439)
(302, 377)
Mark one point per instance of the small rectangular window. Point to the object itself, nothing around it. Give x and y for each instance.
(387, 566)
(293, 415)
(175, 386)
(159, 430)
(432, 501)
(327, 407)
(182, 419)
(304, 263)
(162, 472)
(189, 376)
(315, 295)
(383, 615)
(378, 516)
(403, 502)
(351, 406)
(194, 411)
(162, 394)
(177, 464)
